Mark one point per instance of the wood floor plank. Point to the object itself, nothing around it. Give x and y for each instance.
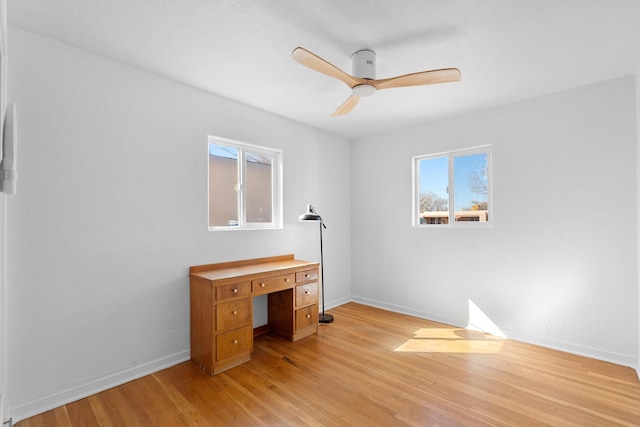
(80, 413)
(375, 368)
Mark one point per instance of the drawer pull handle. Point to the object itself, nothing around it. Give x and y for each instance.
(262, 285)
(308, 316)
(286, 279)
(307, 292)
(307, 275)
(235, 291)
(234, 312)
(235, 341)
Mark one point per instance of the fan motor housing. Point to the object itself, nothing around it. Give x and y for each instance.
(364, 64)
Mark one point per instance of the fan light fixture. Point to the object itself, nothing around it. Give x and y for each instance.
(363, 90)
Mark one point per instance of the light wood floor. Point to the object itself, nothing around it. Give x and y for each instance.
(374, 368)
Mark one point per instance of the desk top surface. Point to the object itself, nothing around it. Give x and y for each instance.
(230, 270)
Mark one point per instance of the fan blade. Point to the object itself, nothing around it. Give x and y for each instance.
(444, 75)
(316, 63)
(346, 106)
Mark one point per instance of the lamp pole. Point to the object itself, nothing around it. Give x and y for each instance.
(312, 215)
(324, 318)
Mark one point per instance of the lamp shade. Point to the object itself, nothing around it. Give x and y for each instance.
(310, 215)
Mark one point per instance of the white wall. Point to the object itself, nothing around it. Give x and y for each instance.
(3, 218)
(637, 82)
(558, 268)
(112, 210)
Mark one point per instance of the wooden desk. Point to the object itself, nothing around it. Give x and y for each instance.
(222, 306)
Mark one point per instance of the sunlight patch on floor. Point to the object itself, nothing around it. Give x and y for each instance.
(451, 340)
(481, 336)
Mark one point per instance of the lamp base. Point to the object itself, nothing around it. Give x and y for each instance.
(325, 318)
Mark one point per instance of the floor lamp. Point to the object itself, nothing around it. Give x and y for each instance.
(312, 215)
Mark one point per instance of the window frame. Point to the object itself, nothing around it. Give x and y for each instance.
(451, 156)
(276, 185)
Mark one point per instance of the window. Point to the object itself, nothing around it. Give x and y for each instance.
(245, 186)
(453, 188)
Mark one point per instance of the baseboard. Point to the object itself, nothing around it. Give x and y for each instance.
(593, 353)
(55, 400)
(401, 309)
(605, 356)
(337, 302)
(260, 330)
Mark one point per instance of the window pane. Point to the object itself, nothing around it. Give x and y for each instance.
(259, 169)
(223, 179)
(434, 198)
(471, 187)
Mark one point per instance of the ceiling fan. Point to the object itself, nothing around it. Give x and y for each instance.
(363, 82)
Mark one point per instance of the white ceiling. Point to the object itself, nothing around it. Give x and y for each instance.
(240, 49)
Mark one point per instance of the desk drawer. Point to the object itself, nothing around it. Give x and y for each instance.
(233, 343)
(233, 314)
(270, 284)
(233, 290)
(307, 275)
(307, 294)
(306, 316)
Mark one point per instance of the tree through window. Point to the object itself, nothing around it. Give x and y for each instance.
(452, 188)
